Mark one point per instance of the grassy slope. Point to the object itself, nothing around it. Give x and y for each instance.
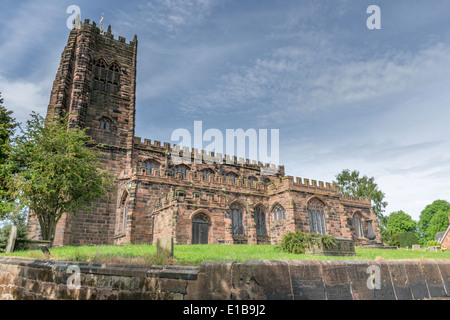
(195, 254)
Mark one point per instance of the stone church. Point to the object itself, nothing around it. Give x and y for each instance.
(197, 203)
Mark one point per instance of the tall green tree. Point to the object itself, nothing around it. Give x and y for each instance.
(7, 126)
(438, 223)
(427, 215)
(56, 171)
(352, 184)
(400, 221)
(397, 223)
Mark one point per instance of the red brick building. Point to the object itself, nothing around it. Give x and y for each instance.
(195, 203)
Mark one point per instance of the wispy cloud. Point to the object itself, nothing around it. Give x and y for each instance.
(23, 97)
(292, 81)
(174, 14)
(26, 32)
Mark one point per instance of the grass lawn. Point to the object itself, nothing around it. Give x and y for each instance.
(195, 254)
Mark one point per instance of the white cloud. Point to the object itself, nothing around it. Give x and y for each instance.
(23, 97)
(300, 80)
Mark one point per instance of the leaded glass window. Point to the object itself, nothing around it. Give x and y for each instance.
(236, 214)
(279, 213)
(316, 216)
(149, 165)
(180, 169)
(260, 219)
(357, 224)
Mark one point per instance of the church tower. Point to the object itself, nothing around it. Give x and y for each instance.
(96, 85)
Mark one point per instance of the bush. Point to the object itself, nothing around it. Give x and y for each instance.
(298, 242)
(432, 243)
(407, 239)
(395, 240)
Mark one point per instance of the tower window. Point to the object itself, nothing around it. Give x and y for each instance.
(106, 79)
(105, 124)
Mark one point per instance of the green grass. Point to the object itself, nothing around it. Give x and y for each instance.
(195, 254)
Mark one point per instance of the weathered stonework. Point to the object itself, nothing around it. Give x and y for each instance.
(153, 202)
(30, 279)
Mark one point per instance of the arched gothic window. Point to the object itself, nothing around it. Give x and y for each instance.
(106, 79)
(123, 217)
(236, 214)
(181, 168)
(113, 79)
(260, 219)
(105, 124)
(357, 224)
(231, 176)
(206, 172)
(252, 180)
(316, 216)
(149, 165)
(279, 213)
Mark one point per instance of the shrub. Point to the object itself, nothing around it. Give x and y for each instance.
(432, 243)
(298, 242)
(407, 239)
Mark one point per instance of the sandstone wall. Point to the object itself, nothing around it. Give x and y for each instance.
(262, 280)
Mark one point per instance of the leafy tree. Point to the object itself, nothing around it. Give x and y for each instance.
(351, 184)
(397, 223)
(438, 223)
(7, 127)
(407, 239)
(427, 215)
(56, 171)
(400, 221)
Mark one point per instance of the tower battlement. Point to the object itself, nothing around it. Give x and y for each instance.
(92, 27)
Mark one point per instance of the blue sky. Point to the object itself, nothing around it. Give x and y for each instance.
(342, 96)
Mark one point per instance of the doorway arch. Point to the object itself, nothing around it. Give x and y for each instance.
(200, 229)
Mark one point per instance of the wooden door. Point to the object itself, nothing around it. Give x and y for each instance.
(200, 229)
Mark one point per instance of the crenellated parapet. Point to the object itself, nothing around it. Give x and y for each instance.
(92, 27)
(189, 156)
(304, 183)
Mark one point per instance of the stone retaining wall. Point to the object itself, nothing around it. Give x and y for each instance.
(22, 278)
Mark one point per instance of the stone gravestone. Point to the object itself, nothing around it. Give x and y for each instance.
(11, 240)
(164, 246)
(416, 247)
